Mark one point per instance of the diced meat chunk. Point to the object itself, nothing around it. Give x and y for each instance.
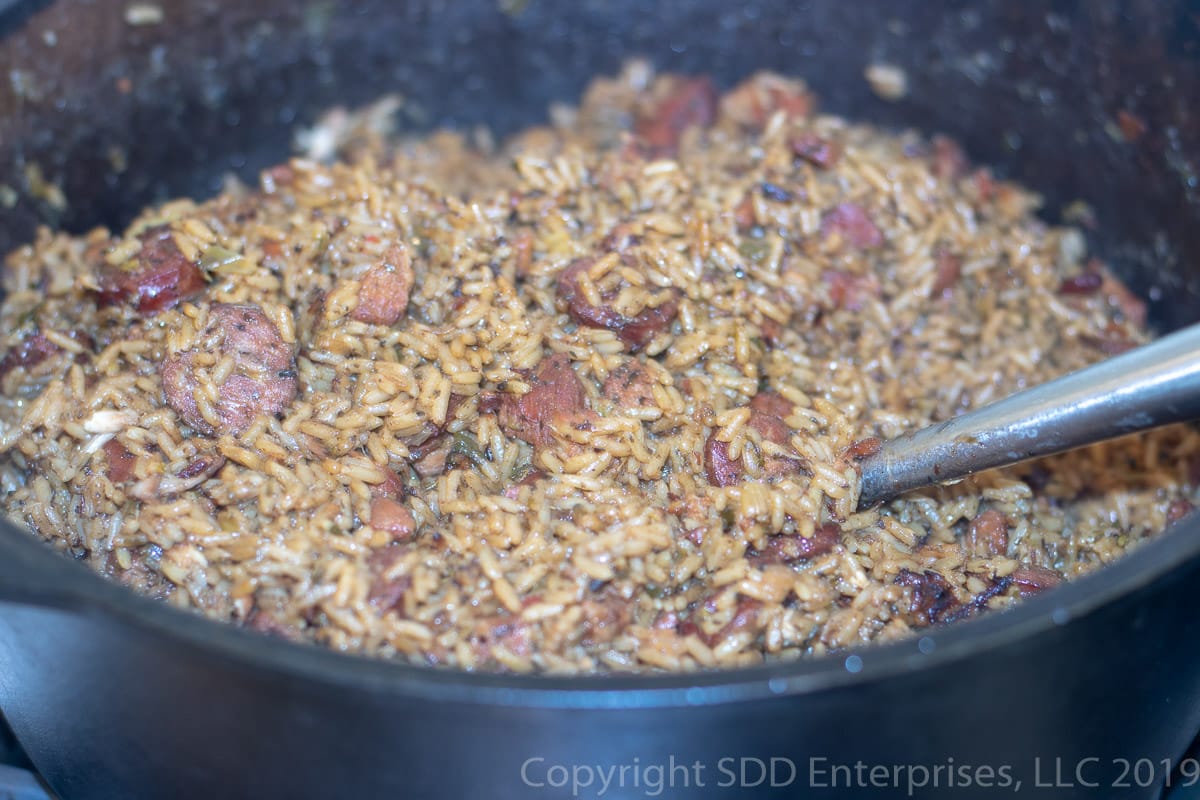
(158, 278)
(387, 590)
(947, 272)
(430, 458)
(949, 161)
(1112, 340)
(850, 292)
(853, 225)
(622, 237)
(488, 402)
(678, 103)
(556, 396)
(772, 428)
(120, 461)
(384, 290)
(262, 381)
(745, 618)
(605, 616)
(744, 215)
(753, 101)
(789, 548)
(1178, 509)
(276, 176)
(772, 332)
(1033, 579)
(522, 251)
(391, 486)
(1083, 283)
(630, 386)
(636, 331)
(769, 403)
(932, 598)
(817, 151)
(390, 516)
(988, 534)
(501, 631)
(28, 353)
(267, 623)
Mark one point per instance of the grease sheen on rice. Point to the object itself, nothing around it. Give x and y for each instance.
(587, 401)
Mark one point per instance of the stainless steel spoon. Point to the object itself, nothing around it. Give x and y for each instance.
(1151, 386)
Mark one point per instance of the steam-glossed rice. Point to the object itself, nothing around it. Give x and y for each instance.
(594, 401)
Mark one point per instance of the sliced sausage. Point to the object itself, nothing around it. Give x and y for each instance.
(159, 277)
(755, 100)
(680, 103)
(263, 380)
(384, 290)
(789, 548)
(854, 225)
(556, 395)
(767, 412)
(636, 331)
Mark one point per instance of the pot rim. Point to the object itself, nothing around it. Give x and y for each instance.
(91, 594)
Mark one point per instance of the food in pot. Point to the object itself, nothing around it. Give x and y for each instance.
(590, 400)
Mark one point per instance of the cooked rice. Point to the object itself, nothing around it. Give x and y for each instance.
(605, 545)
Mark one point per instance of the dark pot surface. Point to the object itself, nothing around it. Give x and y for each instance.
(114, 696)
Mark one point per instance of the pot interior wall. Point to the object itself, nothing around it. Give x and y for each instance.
(1086, 101)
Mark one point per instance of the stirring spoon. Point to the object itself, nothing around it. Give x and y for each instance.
(1154, 385)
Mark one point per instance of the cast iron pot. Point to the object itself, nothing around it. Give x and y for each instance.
(1097, 682)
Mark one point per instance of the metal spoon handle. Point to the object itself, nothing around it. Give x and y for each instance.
(1154, 385)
